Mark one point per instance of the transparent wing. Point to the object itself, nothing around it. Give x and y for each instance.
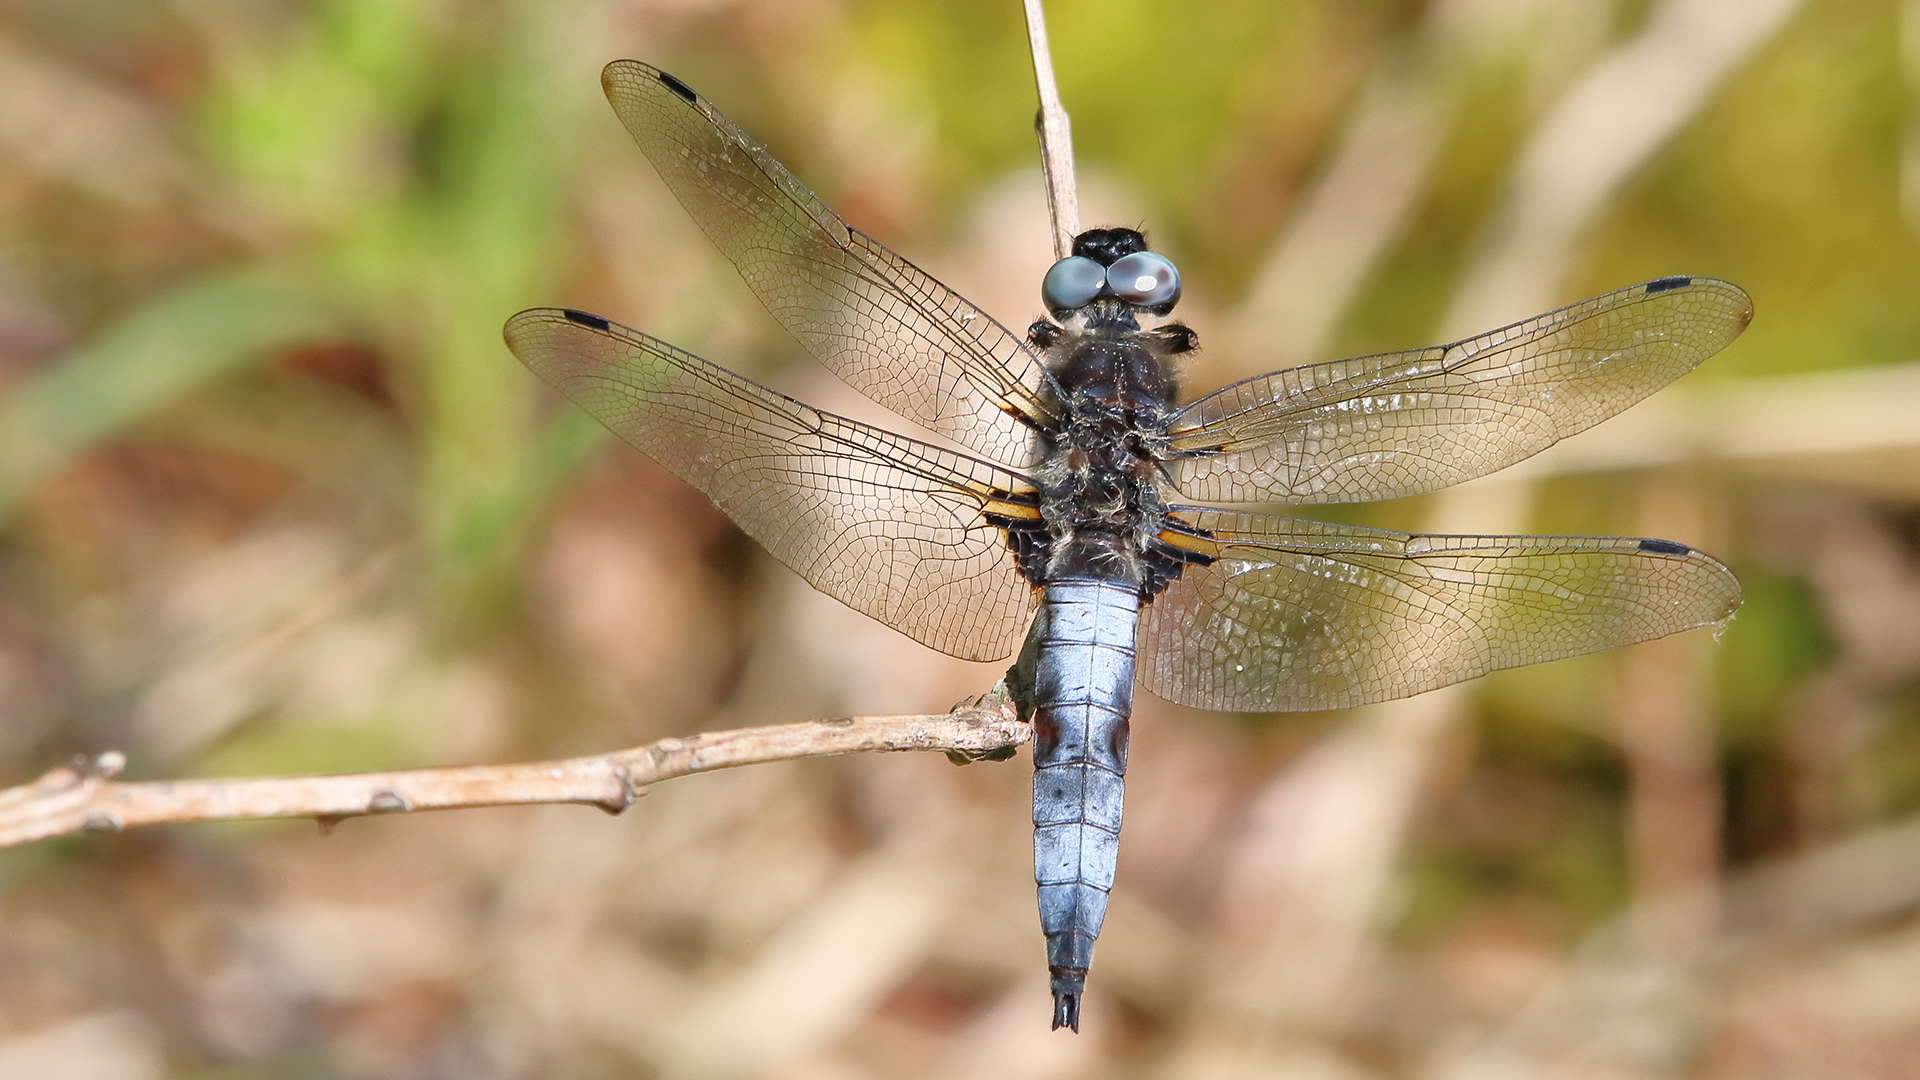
(1299, 614)
(874, 319)
(1379, 427)
(891, 527)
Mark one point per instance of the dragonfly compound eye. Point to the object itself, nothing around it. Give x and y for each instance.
(1072, 283)
(1146, 279)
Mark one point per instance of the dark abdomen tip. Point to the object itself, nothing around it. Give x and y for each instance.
(1066, 1011)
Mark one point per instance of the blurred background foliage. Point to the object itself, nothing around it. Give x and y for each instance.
(275, 498)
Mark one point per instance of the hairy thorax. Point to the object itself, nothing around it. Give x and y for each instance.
(1100, 474)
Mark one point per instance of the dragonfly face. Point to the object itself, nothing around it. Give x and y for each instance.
(1078, 533)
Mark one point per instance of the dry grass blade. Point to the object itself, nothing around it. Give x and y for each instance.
(1599, 134)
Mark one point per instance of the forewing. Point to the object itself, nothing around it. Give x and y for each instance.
(874, 319)
(1297, 614)
(889, 526)
(1379, 427)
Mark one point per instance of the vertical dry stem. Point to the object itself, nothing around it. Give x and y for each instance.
(1056, 138)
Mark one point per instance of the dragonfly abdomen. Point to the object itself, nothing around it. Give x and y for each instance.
(1074, 681)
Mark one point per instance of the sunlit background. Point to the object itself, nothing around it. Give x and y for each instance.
(277, 499)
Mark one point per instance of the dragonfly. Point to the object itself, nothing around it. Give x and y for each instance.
(1101, 526)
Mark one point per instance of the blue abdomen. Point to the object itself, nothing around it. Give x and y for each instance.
(1074, 681)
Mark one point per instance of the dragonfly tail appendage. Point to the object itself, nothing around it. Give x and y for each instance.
(1074, 681)
(1066, 1000)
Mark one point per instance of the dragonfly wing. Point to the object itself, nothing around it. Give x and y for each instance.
(1295, 614)
(889, 329)
(1394, 424)
(891, 527)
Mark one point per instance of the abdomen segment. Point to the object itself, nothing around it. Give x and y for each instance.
(1074, 680)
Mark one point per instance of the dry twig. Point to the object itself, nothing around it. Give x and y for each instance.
(1056, 138)
(86, 797)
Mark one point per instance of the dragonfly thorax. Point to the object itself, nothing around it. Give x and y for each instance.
(1100, 471)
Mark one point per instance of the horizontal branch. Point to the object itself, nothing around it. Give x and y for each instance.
(86, 797)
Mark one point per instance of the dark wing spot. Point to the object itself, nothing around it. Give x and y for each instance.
(1664, 547)
(678, 87)
(1667, 284)
(591, 322)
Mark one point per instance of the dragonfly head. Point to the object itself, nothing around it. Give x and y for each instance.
(1112, 265)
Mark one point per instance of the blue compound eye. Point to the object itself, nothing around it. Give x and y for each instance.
(1146, 279)
(1072, 283)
